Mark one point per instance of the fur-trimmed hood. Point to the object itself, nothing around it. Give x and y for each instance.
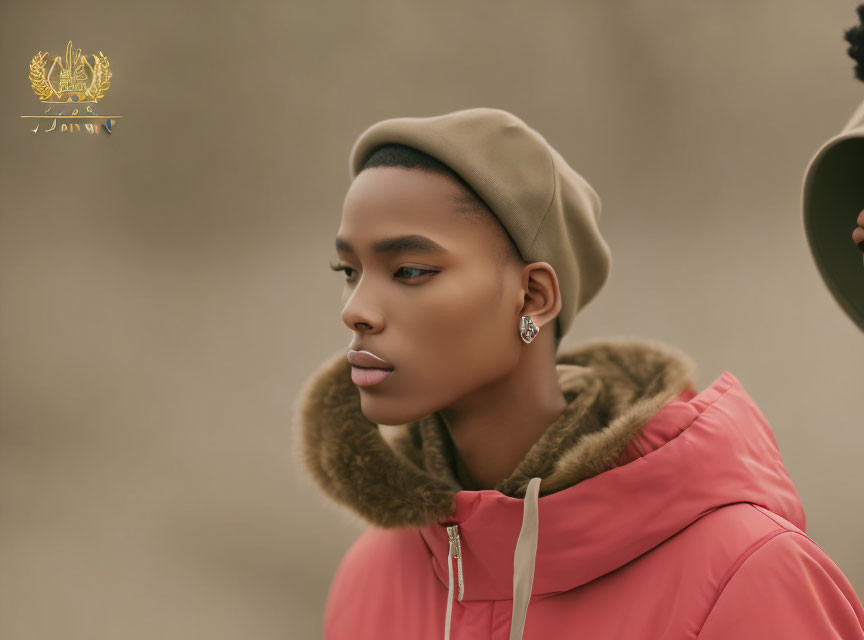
(636, 457)
(612, 388)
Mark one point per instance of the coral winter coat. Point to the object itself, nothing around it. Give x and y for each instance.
(647, 510)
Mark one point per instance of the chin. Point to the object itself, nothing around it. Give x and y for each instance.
(390, 411)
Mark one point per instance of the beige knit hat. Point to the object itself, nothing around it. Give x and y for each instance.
(833, 196)
(548, 209)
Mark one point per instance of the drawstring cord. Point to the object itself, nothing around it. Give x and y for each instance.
(523, 559)
(523, 563)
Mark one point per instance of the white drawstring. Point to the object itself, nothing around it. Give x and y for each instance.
(523, 564)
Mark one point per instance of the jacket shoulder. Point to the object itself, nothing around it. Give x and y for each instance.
(381, 567)
(784, 585)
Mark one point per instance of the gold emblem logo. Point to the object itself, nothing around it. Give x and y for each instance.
(62, 83)
(74, 80)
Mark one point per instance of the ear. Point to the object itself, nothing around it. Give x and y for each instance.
(542, 299)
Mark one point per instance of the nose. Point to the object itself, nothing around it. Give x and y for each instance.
(360, 311)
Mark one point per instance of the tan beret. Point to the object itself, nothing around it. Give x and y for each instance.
(549, 210)
(833, 196)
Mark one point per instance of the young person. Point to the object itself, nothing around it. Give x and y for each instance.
(593, 483)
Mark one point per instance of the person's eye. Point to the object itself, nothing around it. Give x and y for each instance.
(343, 267)
(416, 270)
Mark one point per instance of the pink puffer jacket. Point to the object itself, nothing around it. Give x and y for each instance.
(692, 529)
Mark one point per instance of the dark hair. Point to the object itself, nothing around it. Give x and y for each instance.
(855, 37)
(467, 201)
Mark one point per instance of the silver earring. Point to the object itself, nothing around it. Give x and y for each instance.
(527, 328)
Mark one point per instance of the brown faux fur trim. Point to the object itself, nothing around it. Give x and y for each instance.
(612, 387)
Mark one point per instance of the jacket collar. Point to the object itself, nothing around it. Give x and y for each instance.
(612, 388)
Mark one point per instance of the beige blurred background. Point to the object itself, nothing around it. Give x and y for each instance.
(165, 290)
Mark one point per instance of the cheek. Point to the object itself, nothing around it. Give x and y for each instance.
(464, 324)
(460, 304)
(450, 343)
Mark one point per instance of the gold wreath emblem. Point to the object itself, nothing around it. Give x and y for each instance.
(101, 77)
(37, 76)
(99, 83)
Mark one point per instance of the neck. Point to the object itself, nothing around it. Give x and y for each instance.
(494, 427)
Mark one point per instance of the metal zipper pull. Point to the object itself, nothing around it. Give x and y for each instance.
(456, 551)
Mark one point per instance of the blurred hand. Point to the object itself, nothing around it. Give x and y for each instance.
(858, 233)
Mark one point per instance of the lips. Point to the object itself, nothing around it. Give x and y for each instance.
(368, 360)
(368, 377)
(367, 369)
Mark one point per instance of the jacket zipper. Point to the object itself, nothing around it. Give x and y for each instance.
(455, 551)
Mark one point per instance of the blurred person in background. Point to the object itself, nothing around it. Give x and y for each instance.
(834, 201)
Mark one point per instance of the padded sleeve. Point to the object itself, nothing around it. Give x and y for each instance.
(787, 588)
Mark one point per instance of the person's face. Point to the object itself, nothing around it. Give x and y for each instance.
(439, 310)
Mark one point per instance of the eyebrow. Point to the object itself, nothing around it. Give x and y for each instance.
(400, 244)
